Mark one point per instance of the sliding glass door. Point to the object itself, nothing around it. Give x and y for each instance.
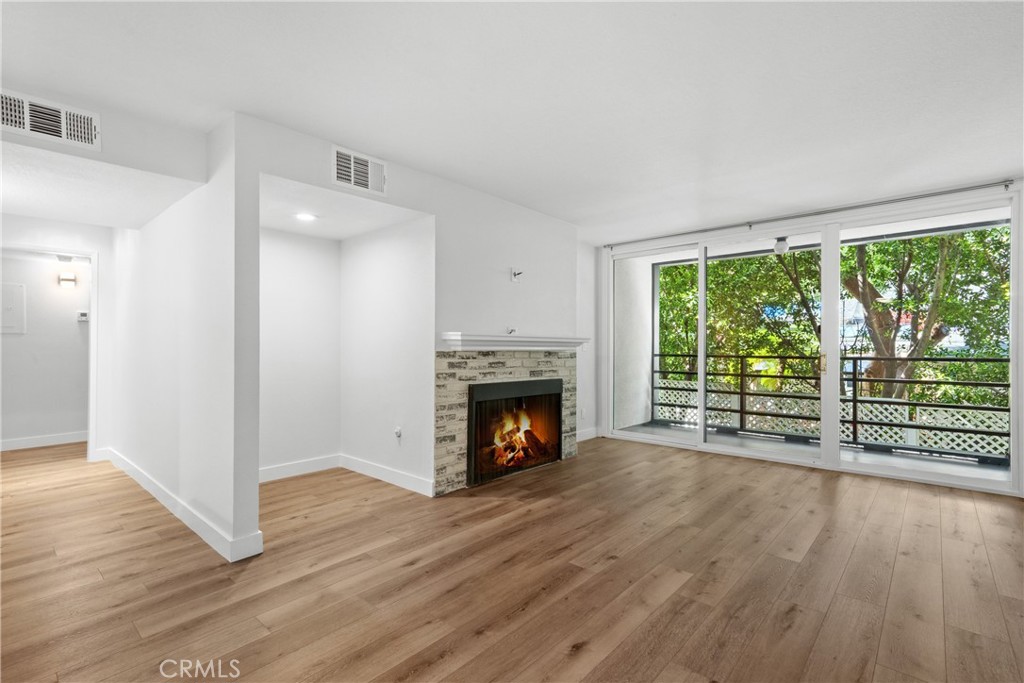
(880, 348)
(762, 372)
(925, 343)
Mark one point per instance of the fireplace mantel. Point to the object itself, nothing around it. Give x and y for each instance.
(460, 341)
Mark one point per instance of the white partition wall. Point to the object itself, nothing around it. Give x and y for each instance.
(300, 359)
(633, 294)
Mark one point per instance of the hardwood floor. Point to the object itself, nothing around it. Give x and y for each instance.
(628, 563)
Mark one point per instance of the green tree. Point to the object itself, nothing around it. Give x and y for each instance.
(757, 306)
(916, 291)
(677, 317)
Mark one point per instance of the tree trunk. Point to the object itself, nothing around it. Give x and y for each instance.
(884, 325)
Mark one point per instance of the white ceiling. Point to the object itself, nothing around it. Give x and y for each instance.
(338, 215)
(67, 188)
(626, 119)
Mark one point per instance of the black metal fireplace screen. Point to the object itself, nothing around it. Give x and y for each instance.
(513, 426)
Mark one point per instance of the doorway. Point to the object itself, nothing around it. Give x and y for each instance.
(47, 347)
(763, 339)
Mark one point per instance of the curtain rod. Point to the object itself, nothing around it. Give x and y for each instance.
(822, 212)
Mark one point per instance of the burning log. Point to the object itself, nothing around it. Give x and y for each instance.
(514, 443)
(534, 445)
(505, 455)
(509, 436)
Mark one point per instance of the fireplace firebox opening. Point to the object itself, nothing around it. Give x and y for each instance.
(513, 426)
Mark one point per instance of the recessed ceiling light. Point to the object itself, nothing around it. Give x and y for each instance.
(305, 217)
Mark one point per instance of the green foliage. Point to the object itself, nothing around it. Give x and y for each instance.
(974, 296)
(967, 369)
(755, 308)
(677, 316)
(917, 293)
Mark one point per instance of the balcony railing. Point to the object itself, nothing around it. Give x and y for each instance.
(779, 396)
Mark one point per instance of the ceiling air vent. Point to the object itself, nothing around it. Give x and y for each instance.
(353, 169)
(42, 119)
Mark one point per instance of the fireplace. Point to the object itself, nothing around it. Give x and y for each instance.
(513, 426)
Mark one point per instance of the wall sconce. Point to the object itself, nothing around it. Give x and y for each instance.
(67, 280)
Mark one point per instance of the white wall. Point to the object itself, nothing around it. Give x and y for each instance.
(479, 236)
(46, 369)
(300, 353)
(174, 414)
(586, 326)
(22, 231)
(184, 408)
(633, 295)
(387, 354)
(126, 139)
(479, 239)
(346, 353)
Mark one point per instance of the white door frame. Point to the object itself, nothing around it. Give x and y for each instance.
(832, 367)
(94, 315)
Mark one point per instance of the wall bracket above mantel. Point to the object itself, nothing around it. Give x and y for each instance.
(460, 341)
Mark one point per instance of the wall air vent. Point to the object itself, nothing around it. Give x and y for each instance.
(359, 171)
(42, 119)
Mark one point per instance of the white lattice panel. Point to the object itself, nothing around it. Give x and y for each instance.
(717, 419)
(984, 444)
(783, 425)
(878, 412)
(674, 391)
(789, 403)
(675, 414)
(718, 400)
(796, 405)
(677, 396)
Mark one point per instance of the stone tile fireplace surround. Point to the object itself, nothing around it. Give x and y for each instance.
(456, 370)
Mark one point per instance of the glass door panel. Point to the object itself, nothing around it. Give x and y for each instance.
(762, 379)
(924, 338)
(675, 378)
(654, 310)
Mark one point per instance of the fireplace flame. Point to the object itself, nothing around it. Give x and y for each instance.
(514, 440)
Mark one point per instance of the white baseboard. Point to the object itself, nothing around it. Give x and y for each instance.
(586, 434)
(391, 476)
(297, 467)
(44, 440)
(232, 549)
